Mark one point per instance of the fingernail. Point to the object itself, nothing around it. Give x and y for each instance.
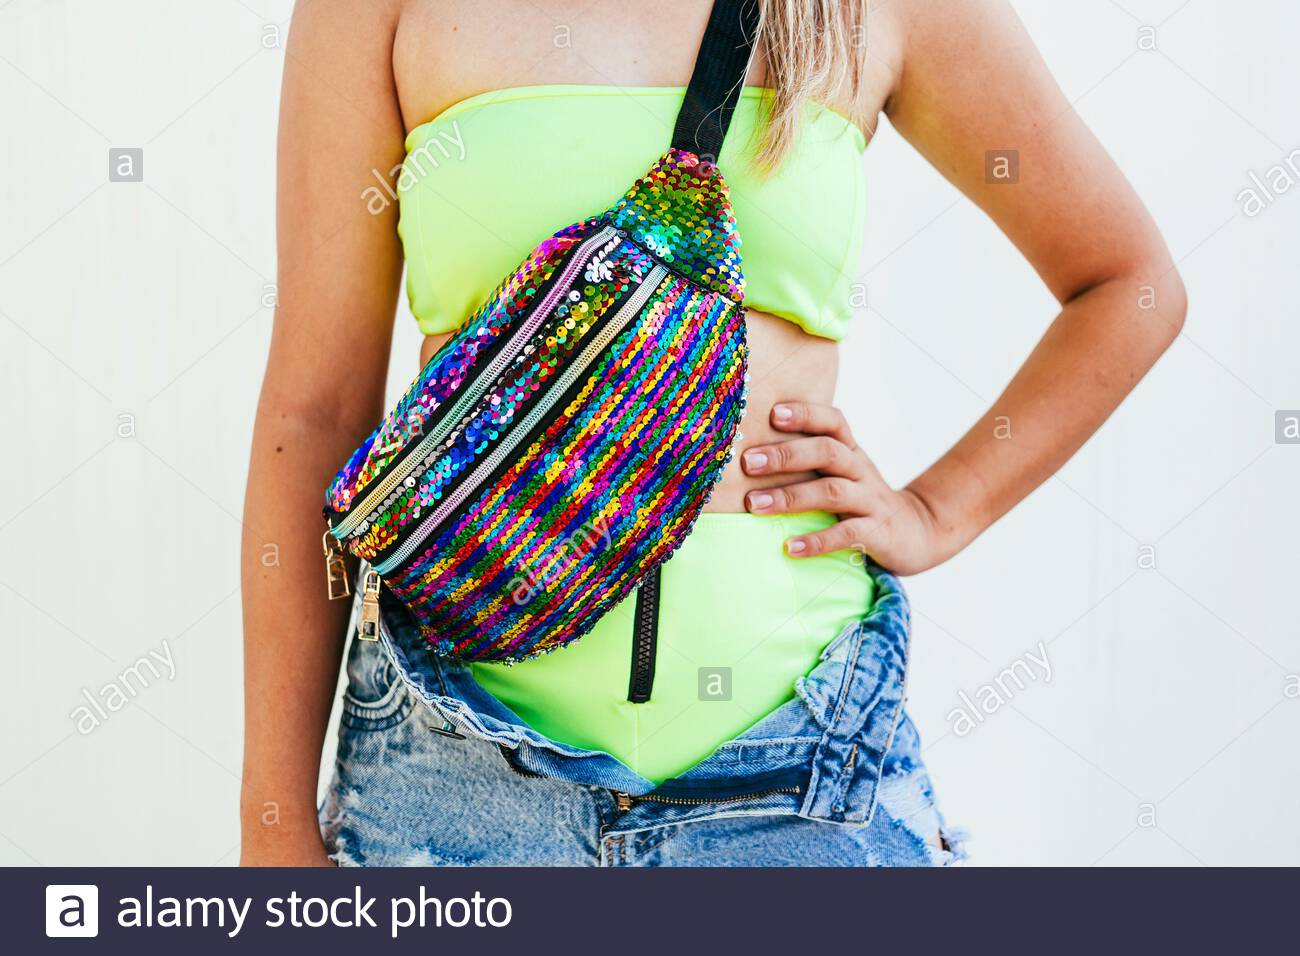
(782, 413)
(794, 546)
(754, 460)
(759, 500)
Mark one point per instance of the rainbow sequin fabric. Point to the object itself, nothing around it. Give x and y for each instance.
(563, 442)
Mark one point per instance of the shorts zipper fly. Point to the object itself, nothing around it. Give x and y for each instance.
(626, 801)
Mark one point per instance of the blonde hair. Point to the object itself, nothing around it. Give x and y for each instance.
(815, 51)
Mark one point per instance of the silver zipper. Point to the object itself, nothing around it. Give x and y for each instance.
(557, 388)
(447, 422)
(626, 801)
(336, 568)
(368, 619)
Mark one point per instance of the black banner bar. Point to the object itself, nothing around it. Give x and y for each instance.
(198, 911)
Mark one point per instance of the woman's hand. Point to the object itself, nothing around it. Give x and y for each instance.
(896, 528)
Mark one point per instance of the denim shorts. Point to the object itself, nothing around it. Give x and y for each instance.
(434, 771)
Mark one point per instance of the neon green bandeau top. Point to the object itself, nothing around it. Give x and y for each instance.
(493, 175)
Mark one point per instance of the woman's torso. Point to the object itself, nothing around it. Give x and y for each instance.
(449, 52)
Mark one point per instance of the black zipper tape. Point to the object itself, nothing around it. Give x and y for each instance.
(645, 638)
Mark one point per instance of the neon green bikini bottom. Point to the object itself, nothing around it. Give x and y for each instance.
(739, 623)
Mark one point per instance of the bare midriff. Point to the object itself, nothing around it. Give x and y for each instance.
(786, 364)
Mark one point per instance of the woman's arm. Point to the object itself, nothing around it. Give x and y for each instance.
(339, 269)
(970, 81)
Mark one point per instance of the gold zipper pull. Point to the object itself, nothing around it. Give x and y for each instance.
(623, 801)
(368, 625)
(336, 567)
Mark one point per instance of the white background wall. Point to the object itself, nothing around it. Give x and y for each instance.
(1167, 702)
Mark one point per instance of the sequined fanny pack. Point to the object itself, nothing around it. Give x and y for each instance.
(559, 447)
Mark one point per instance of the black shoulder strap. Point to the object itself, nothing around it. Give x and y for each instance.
(718, 77)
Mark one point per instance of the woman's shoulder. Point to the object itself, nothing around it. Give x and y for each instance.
(336, 38)
(906, 28)
(358, 21)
